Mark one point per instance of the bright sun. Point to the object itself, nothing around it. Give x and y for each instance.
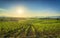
(20, 11)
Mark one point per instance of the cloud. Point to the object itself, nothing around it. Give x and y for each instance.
(3, 10)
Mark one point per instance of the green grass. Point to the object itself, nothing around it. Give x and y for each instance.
(40, 28)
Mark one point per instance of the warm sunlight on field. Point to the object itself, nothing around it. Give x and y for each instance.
(29, 19)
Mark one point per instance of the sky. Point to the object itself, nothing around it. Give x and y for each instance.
(29, 8)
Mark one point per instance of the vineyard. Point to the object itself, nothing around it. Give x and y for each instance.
(30, 28)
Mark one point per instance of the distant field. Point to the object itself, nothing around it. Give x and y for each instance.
(29, 28)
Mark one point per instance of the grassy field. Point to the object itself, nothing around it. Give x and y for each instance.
(30, 28)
